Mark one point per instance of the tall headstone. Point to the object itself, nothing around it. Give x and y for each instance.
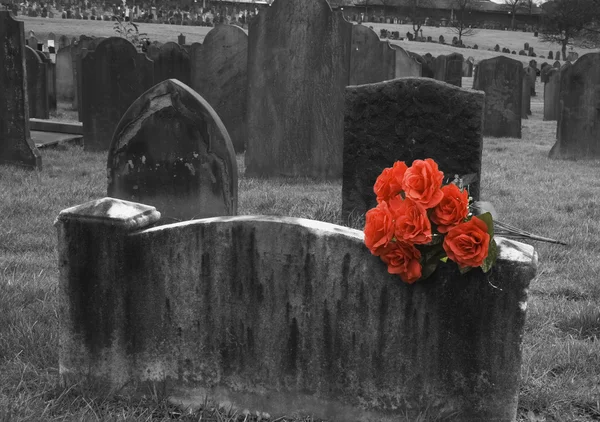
(296, 91)
(531, 74)
(16, 146)
(371, 60)
(552, 94)
(79, 50)
(526, 97)
(171, 150)
(37, 85)
(113, 77)
(220, 75)
(51, 79)
(579, 120)
(501, 78)
(406, 65)
(63, 41)
(408, 119)
(172, 62)
(448, 68)
(65, 80)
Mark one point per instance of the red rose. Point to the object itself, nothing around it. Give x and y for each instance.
(411, 222)
(422, 183)
(403, 259)
(453, 208)
(379, 228)
(468, 243)
(389, 182)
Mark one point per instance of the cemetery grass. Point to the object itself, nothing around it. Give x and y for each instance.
(559, 199)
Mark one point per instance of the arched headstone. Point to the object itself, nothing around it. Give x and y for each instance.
(171, 62)
(406, 65)
(113, 77)
(371, 60)
(297, 74)
(448, 68)
(220, 75)
(171, 150)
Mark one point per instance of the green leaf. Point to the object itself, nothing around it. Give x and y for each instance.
(444, 259)
(489, 222)
(428, 269)
(490, 259)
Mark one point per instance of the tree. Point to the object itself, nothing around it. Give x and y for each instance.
(461, 24)
(513, 6)
(568, 22)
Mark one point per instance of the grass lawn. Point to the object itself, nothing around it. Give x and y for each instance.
(561, 348)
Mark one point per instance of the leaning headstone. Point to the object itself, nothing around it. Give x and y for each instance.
(408, 119)
(501, 78)
(16, 146)
(219, 73)
(371, 60)
(172, 62)
(406, 65)
(448, 68)
(552, 94)
(113, 77)
(37, 85)
(579, 120)
(296, 91)
(171, 150)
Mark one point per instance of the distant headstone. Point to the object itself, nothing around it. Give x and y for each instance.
(530, 73)
(16, 146)
(406, 65)
(81, 48)
(371, 60)
(579, 120)
(557, 55)
(552, 94)
(65, 90)
(407, 119)
(172, 62)
(51, 79)
(545, 68)
(501, 78)
(220, 75)
(63, 41)
(171, 150)
(467, 69)
(426, 70)
(526, 96)
(522, 53)
(33, 42)
(181, 39)
(113, 77)
(550, 55)
(526, 46)
(448, 68)
(531, 52)
(296, 91)
(441, 39)
(37, 85)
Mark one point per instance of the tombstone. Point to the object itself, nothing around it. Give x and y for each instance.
(295, 306)
(550, 55)
(531, 52)
(371, 60)
(426, 70)
(37, 85)
(296, 91)
(51, 80)
(65, 81)
(496, 48)
(171, 150)
(81, 48)
(552, 94)
(579, 126)
(526, 46)
(16, 146)
(571, 56)
(63, 41)
(448, 68)
(526, 96)
(172, 62)
(153, 51)
(441, 39)
(220, 76)
(544, 72)
(408, 119)
(501, 78)
(531, 74)
(557, 55)
(429, 39)
(467, 69)
(32, 42)
(406, 65)
(113, 77)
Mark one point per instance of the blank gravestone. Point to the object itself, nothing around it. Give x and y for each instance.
(297, 74)
(172, 62)
(371, 60)
(579, 120)
(171, 150)
(65, 81)
(501, 78)
(448, 68)
(552, 94)
(37, 85)
(406, 65)
(426, 69)
(51, 79)
(81, 48)
(16, 146)
(531, 74)
(408, 119)
(113, 77)
(526, 97)
(220, 76)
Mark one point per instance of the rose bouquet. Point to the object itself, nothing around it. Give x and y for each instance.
(419, 223)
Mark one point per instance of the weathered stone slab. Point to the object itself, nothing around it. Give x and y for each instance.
(531, 74)
(16, 146)
(579, 123)
(408, 119)
(113, 77)
(552, 94)
(296, 91)
(406, 65)
(171, 150)
(172, 62)
(371, 60)
(37, 85)
(526, 97)
(448, 68)
(65, 79)
(501, 78)
(426, 69)
(286, 316)
(220, 75)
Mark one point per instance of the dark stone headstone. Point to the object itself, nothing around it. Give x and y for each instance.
(408, 119)
(65, 80)
(526, 46)
(551, 93)
(448, 68)
(172, 62)
(467, 69)
(181, 39)
(526, 97)
(579, 120)
(557, 55)
(556, 64)
(530, 73)
(501, 78)
(171, 150)
(550, 55)
(113, 77)
(426, 69)
(220, 76)
(37, 85)
(545, 68)
(296, 91)
(16, 146)
(63, 41)
(371, 60)
(51, 78)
